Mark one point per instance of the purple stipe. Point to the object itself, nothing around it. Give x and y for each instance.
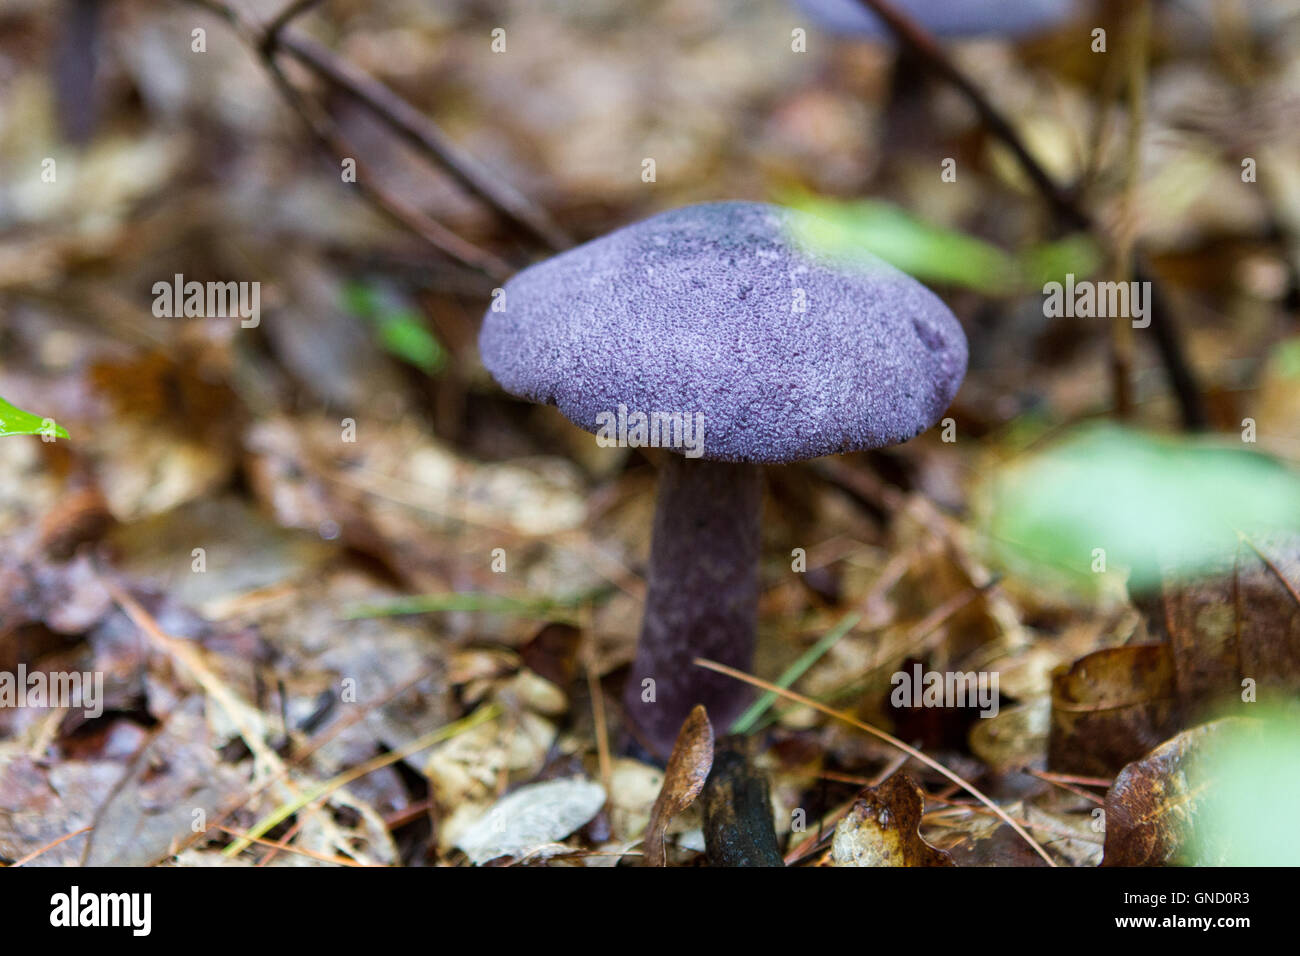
(701, 598)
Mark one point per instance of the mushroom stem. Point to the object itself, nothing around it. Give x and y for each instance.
(701, 597)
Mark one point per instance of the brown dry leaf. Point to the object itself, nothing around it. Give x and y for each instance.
(1243, 624)
(1014, 737)
(981, 839)
(40, 803)
(1111, 707)
(1150, 808)
(67, 598)
(176, 780)
(688, 769)
(883, 829)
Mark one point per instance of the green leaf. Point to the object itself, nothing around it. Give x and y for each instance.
(15, 421)
(1153, 505)
(360, 299)
(399, 329)
(403, 335)
(934, 253)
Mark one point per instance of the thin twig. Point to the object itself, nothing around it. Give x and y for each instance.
(1056, 781)
(1122, 338)
(341, 861)
(919, 41)
(187, 658)
(433, 232)
(601, 728)
(887, 738)
(284, 842)
(415, 128)
(49, 846)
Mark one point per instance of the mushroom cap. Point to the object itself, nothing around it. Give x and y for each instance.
(722, 310)
(950, 18)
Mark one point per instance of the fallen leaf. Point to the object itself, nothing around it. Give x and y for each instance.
(531, 818)
(1241, 624)
(1153, 802)
(883, 829)
(688, 769)
(1110, 707)
(981, 839)
(152, 810)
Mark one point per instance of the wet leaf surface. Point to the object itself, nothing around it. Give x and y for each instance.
(883, 829)
(1151, 808)
(1110, 707)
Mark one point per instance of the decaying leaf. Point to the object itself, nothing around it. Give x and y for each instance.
(981, 839)
(39, 804)
(1151, 807)
(1243, 624)
(152, 809)
(883, 829)
(532, 817)
(1111, 707)
(688, 768)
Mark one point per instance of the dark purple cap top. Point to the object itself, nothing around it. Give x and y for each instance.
(951, 18)
(722, 314)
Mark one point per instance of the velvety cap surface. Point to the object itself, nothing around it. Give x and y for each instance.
(721, 311)
(953, 18)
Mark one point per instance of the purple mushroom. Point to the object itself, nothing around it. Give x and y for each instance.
(946, 18)
(718, 332)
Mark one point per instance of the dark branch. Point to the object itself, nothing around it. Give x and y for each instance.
(408, 122)
(426, 136)
(291, 11)
(1063, 203)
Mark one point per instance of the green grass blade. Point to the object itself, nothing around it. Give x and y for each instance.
(746, 721)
